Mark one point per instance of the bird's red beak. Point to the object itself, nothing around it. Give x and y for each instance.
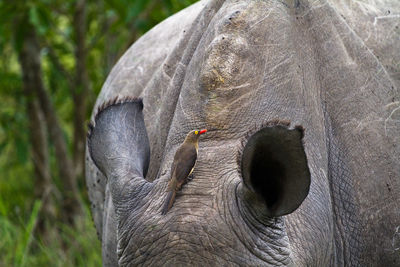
(203, 131)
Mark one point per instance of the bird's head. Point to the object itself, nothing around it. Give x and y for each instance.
(193, 136)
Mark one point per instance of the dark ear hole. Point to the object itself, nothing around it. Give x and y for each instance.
(274, 166)
(267, 176)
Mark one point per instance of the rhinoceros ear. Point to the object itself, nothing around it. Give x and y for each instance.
(119, 146)
(274, 169)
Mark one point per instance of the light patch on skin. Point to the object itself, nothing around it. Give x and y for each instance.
(396, 239)
(371, 121)
(378, 20)
(219, 77)
(385, 17)
(390, 117)
(313, 7)
(323, 173)
(261, 20)
(220, 74)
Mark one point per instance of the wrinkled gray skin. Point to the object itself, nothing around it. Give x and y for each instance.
(234, 66)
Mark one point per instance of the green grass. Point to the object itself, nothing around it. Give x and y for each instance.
(19, 210)
(65, 246)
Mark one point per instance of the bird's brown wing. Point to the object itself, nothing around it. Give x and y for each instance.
(185, 158)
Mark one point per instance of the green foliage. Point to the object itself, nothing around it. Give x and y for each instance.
(40, 17)
(66, 246)
(112, 26)
(22, 248)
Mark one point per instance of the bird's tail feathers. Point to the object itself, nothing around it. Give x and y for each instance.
(169, 200)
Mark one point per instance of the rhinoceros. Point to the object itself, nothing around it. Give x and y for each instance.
(301, 162)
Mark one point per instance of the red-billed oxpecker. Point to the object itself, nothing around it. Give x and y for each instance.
(182, 166)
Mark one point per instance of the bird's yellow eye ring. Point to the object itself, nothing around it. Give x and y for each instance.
(196, 132)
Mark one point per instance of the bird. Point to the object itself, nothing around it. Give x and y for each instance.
(182, 166)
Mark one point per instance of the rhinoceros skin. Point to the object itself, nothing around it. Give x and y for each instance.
(320, 79)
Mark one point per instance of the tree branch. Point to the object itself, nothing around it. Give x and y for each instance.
(80, 88)
(29, 57)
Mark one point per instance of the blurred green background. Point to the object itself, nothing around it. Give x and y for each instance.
(55, 56)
